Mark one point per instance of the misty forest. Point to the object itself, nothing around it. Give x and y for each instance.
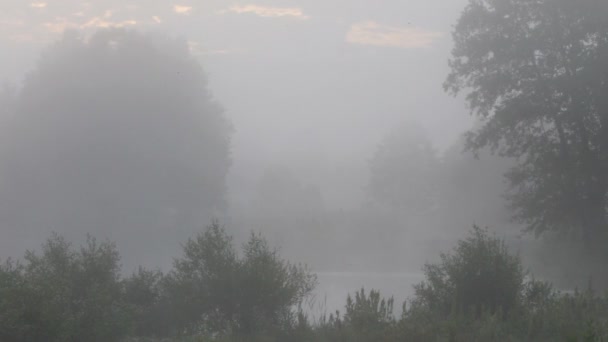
(342, 171)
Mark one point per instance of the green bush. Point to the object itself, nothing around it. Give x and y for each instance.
(214, 291)
(479, 276)
(218, 294)
(144, 293)
(64, 295)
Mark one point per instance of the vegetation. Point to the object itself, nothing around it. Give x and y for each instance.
(126, 144)
(403, 172)
(480, 276)
(476, 292)
(535, 75)
(64, 294)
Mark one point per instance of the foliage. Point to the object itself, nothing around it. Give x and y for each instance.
(64, 295)
(368, 317)
(215, 291)
(480, 275)
(215, 294)
(131, 141)
(145, 294)
(536, 312)
(535, 74)
(370, 309)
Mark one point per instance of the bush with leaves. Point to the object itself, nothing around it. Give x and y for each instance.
(367, 317)
(64, 294)
(145, 294)
(480, 275)
(214, 291)
(369, 309)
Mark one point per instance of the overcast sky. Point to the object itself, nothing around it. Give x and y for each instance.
(300, 79)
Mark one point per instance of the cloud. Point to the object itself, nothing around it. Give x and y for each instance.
(197, 49)
(61, 24)
(372, 33)
(12, 22)
(102, 23)
(38, 5)
(179, 9)
(269, 12)
(105, 22)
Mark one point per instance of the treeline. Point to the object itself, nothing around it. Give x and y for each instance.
(214, 292)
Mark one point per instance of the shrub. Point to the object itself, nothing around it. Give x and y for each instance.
(480, 275)
(145, 295)
(214, 291)
(64, 295)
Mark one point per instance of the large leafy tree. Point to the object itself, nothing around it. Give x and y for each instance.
(114, 134)
(535, 72)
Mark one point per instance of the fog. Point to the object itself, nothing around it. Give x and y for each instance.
(322, 125)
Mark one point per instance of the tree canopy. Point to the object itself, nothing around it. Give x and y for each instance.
(114, 132)
(535, 72)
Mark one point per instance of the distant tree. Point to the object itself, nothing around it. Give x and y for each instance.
(471, 190)
(403, 171)
(116, 133)
(279, 193)
(536, 73)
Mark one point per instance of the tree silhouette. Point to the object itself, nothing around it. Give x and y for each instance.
(117, 133)
(535, 73)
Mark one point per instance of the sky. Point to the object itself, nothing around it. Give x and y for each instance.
(305, 82)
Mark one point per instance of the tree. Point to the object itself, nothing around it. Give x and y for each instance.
(144, 293)
(279, 193)
(403, 170)
(479, 276)
(64, 294)
(536, 73)
(214, 291)
(114, 134)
